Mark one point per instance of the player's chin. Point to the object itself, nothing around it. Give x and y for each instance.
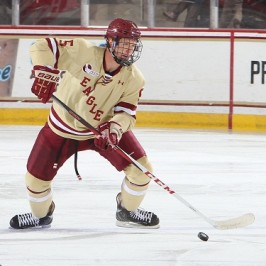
(124, 57)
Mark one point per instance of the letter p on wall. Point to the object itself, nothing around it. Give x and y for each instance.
(258, 68)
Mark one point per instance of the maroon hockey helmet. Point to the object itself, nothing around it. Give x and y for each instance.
(123, 29)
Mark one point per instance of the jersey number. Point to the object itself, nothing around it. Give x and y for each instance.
(65, 43)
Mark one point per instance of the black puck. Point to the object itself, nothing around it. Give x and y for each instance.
(202, 236)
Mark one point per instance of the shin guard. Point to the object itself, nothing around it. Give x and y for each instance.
(135, 185)
(40, 195)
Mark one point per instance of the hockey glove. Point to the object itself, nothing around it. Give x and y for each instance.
(45, 82)
(111, 133)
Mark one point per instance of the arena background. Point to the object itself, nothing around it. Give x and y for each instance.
(209, 79)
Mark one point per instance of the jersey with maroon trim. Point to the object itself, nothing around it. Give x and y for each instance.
(86, 88)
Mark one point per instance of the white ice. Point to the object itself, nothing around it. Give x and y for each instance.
(221, 174)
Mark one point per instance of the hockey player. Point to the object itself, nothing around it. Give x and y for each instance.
(104, 87)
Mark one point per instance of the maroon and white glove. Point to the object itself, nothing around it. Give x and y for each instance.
(111, 133)
(45, 82)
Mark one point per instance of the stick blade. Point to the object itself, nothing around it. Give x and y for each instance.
(238, 222)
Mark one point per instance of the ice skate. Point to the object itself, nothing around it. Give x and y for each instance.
(135, 219)
(26, 220)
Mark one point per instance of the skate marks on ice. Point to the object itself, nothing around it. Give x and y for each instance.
(61, 234)
(119, 246)
(222, 174)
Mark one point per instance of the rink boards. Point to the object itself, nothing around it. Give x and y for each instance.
(210, 79)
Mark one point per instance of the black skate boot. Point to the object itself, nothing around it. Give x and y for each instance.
(26, 220)
(138, 219)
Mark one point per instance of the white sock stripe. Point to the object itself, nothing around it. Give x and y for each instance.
(133, 192)
(45, 198)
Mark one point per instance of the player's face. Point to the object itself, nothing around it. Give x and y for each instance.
(125, 48)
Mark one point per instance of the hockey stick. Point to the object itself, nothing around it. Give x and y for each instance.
(241, 221)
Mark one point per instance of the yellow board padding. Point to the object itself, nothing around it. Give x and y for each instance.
(241, 122)
(182, 120)
(255, 123)
(23, 116)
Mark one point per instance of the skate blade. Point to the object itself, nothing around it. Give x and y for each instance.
(135, 225)
(35, 228)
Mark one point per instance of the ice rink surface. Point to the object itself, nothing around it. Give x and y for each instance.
(221, 174)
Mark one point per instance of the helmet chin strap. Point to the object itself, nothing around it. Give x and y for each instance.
(121, 62)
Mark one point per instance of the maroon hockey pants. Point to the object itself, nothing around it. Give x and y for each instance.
(50, 150)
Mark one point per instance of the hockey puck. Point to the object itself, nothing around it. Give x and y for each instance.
(202, 236)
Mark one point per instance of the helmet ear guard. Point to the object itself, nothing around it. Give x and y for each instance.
(115, 42)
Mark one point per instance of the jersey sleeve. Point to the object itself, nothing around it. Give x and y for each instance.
(41, 54)
(57, 53)
(125, 110)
